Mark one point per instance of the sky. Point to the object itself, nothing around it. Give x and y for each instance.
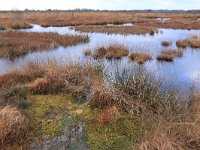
(99, 4)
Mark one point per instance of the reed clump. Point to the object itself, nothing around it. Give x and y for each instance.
(87, 52)
(13, 126)
(182, 43)
(193, 42)
(111, 52)
(165, 43)
(140, 58)
(169, 55)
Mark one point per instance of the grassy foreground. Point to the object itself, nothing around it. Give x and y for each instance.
(129, 111)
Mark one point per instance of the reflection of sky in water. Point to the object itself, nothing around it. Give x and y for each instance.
(183, 71)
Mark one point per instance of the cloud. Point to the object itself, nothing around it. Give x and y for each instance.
(100, 4)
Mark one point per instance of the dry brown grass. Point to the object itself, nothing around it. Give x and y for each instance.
(14, 44)
(165, 43)
(169, 55)
(106, 97)
(195, 43)
(113, 51)
(182, 43)
(13, 126)
(177, 131)
(108, 115)
(117, 29)
(177, 21)
(87, 52)
(19, 77)
(140, 58)
(51, 78)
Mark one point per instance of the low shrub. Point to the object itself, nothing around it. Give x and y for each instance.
(14, 96)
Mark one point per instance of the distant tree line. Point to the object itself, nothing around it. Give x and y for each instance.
(97, 10)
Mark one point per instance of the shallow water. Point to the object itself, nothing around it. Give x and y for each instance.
(183, 72)
(125, 24)
(163, 19)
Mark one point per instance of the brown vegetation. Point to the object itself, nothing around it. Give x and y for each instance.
(193, 42)
(22, 19)
(165, 43)
(117, 29)
(113, 51)
(169, 55)
(108, 115)
(50, 78)
(178, 131)
(14, 44)
(182, 43)
(13, 126)
(140, 58)
(87, 52)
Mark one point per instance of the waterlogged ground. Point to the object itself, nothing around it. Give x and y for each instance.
(182, 73)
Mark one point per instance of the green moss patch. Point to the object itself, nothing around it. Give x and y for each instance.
(49, 115)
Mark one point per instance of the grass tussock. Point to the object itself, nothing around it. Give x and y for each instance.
(165, 43)
(182, 43)
(87, 53)
(13, 126)
(140, 58)
(169, 55)
(111, 52)
(14, 44)
(108, 115)
(193, 42)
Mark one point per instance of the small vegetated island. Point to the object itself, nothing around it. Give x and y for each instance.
(15, 44)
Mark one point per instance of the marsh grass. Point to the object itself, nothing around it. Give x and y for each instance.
(182, 43)
(128, 109)
(169, 55)
(193, 42)
(177, 20)
(87, 53)
(117, 29)
(14, 44)
(165, 43)
(140, 58)
(51, 78)
(13, 126)
(111, 52)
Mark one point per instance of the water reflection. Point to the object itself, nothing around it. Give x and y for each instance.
(183, 71)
